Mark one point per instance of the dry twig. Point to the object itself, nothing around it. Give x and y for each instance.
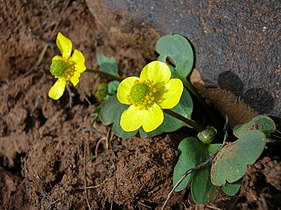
(85, 178)
(70, 96)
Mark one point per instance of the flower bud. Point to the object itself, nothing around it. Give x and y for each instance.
(207, 135)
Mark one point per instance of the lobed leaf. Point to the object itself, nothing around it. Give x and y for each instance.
(112, 87)
(230, 164)
(178, 49)
(232, 188)
(213, 148)
(192, 152)
(202, 189)
(108, 65)
(260, 122)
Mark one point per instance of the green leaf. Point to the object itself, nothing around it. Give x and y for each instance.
(112, 87)
(185, 105)
(192, 152)
(171, 124)
(261, 122)
(108, 65)
(232, 188)
(179, 50)
(110, 113)
(203, 191)
(213, 148)
(230, 164)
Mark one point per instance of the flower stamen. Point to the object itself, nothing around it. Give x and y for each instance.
(70, 70)
(62, 68)
(141, 94)
(58, 68)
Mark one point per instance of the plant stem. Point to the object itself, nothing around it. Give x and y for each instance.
(104, 74)
(189, 122)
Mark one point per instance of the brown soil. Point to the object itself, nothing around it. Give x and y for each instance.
(47, 149)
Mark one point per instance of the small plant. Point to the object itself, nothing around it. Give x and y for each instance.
(224, 164)
(159, 101)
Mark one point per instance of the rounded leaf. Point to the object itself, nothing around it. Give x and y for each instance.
(108, 65)
(230, 164)
(203, 191)
(192, 152)
(232, 188)
(177, 48)
(260, 122)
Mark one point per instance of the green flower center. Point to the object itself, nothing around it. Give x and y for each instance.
(138, 92)
(142, 94)
(58, 67)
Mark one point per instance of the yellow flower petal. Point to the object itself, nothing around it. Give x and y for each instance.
(152, 118)
(131, 119)
(75, 78)
(57, 57)
(57, 89)
(64, 44)
(172, 94)
(156, 72)
(79, 61)
(124, 89)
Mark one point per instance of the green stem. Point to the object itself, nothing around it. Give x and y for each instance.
(104, 74)
(189, 122)
(191, 88)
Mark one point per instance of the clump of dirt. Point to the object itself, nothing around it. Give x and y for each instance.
(261, 185)
(142, 170)
(56, 156)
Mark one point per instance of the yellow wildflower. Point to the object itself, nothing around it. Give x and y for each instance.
(147, 95)
(66, 67)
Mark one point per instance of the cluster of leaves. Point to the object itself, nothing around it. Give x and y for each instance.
(228, 162)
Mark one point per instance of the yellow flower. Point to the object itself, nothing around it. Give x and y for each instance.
(66, 67)
(147, 95)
